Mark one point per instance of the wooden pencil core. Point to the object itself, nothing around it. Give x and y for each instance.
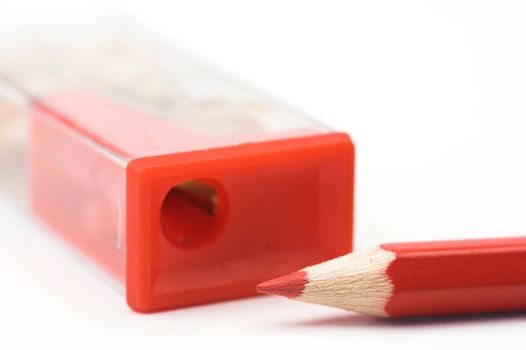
(355, 282)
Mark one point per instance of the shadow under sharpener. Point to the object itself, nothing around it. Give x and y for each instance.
(193, 226)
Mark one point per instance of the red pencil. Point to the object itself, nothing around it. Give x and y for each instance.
(416, 279)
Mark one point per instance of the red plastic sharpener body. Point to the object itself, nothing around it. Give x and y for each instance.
(197, 205)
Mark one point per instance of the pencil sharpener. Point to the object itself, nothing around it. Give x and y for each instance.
(185, 186)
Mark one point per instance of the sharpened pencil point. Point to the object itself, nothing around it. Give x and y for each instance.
(290, 286)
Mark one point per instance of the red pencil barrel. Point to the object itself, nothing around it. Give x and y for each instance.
(452, 277)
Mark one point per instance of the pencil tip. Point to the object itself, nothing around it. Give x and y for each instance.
(290, 286)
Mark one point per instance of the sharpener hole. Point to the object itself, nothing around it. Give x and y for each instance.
(193, 213)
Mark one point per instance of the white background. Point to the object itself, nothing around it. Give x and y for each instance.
(433, 94)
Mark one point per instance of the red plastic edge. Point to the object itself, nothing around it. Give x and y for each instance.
(141, 171)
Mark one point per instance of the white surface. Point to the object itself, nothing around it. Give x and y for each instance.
(433, 93)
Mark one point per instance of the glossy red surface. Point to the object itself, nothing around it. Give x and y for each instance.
(78, 190)
(452, 277)
(284, 205)
(261, 209)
